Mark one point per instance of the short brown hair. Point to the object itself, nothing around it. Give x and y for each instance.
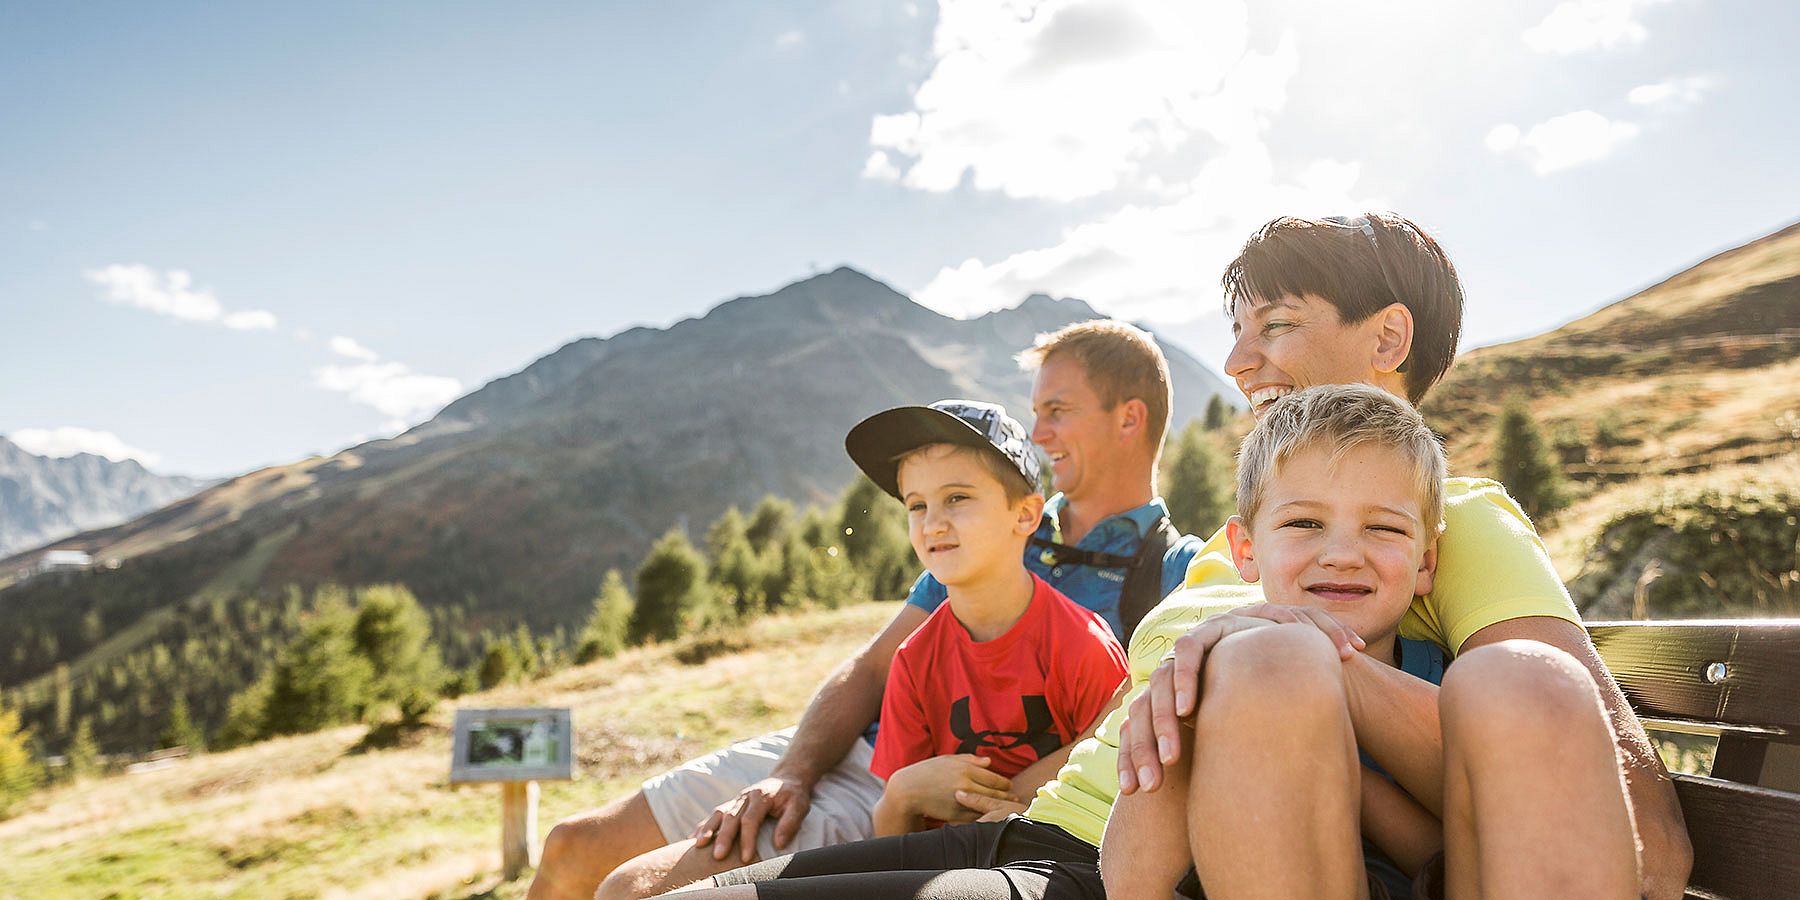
(1360, 273)
(1012, 481)
(1340, 418)
(1121, 362)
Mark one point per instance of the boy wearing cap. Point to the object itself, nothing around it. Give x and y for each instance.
(1008, 670)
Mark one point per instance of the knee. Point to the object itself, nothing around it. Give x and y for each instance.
(1515, 689)
(1281, 667)
(622, 884)
(564, 842)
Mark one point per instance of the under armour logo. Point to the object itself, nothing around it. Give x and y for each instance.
(1039, 734)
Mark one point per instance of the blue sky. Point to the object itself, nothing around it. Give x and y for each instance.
(235, 236)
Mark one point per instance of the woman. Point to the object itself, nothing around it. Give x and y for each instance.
(1370, 300)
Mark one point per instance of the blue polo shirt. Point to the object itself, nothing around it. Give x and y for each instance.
(1094, 588)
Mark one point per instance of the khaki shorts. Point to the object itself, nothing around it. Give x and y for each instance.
(842, 803)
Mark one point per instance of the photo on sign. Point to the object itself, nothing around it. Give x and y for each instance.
(511, 745)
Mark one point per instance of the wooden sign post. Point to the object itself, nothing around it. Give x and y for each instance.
(516, 748)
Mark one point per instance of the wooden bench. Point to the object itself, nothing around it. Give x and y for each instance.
(1739, 680)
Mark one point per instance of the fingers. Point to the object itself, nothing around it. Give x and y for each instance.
(993, 781)
(789, 824)
(984, 803)
(1138, 764)
(703, 833)
(1185, 675)
(749, 824)
(1346, 640)
(725, 834)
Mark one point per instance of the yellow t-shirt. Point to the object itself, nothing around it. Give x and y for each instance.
(1492, 567)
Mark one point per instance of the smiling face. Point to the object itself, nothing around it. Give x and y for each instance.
(958, 518)
(1081, 437)
(1294, 342)
(1349, 538)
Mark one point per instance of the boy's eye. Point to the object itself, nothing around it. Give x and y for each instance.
(1391, 529)
(1301, 523)
(957, 498)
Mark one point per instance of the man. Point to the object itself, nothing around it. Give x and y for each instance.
(1101, 398)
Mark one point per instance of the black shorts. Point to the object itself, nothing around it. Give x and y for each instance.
(1014, 859)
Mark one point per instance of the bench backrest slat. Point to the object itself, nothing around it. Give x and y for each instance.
(1746, 839)
(1664, 670)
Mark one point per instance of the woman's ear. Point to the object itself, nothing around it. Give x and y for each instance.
(1393, 337)
(1243, 553)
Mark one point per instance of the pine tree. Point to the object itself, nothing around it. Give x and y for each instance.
(393, 633)
(499, 663)
(673, 594)
(1218, 413)
(83, 754)
(180, 730)
(1525, 465)
(610, 624)
(20, 773)
(319, 679)
(1196, 483)
(769, 524)
(735, 575)
(874, 537)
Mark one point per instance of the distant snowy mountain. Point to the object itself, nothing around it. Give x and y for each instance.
(45, 498)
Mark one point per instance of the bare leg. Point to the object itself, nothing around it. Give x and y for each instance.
(1273, 805)
(663, 869)
(582, 849)
(1145, 851)
(1534, 801)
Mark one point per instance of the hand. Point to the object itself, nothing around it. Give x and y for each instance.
(740, 818)
(992, 809)
(1153, 719)
(930, 787)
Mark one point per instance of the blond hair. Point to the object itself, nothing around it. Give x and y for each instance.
(1340, 418)
(1121, 362)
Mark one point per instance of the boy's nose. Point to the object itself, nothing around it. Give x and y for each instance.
(1340, 554)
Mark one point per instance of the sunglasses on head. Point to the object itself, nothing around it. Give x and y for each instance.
(1361, 223)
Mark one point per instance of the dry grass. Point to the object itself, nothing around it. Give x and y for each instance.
(306, 817)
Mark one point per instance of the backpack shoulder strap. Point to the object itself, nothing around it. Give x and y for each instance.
(1142, 589)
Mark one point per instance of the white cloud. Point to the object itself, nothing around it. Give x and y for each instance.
(1576, 26)
(69, 440)
(1063, 99)
(880, 168)
(38, 225)
(1160, 262)
(790, 39)
(249, 320)
(344, 346)
(172, 293)
(910, 10)
(1672, 92)
(1567, 141)
(390, 387)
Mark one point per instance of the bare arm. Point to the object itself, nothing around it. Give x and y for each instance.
(1667, 855)
(1397, 824)
(841, 710)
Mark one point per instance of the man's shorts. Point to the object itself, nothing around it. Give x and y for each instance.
(842, 802)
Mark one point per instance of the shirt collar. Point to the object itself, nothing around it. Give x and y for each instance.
(1142, 518)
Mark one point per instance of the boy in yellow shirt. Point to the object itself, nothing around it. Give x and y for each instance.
(1340, 499)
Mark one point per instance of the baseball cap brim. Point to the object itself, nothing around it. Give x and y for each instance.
(877, 442)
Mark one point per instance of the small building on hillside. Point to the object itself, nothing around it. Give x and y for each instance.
(64, 561)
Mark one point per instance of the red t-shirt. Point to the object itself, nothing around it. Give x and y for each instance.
(1014, 699)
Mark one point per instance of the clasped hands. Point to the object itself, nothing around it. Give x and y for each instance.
(1151, 736)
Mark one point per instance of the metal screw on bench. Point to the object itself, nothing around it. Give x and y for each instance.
(1716, 673)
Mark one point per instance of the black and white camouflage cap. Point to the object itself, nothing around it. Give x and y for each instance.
(877, 443)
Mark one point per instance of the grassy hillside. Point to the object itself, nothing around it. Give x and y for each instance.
(1682, 396)
(315, 816)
